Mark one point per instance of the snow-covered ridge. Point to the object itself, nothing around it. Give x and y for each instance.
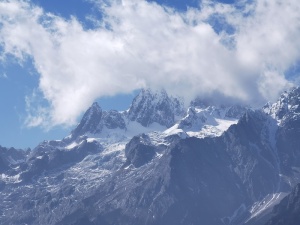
(286, 107)
(207, 121)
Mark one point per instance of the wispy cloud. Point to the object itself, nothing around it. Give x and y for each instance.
(240, 52)
(3, 75)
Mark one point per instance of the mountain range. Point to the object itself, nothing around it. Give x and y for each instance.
(162, 163)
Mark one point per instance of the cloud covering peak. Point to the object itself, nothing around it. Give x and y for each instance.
(239, 52)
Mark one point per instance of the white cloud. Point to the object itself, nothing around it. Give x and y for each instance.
(140, 44)
(36, 113)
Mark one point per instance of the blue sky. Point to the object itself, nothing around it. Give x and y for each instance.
(53, 66)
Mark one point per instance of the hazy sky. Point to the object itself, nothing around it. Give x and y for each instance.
(58, 57)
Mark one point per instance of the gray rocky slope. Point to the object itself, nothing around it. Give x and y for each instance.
(287, 212)
(116, 168)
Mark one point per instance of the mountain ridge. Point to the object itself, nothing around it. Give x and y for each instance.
(135, 167)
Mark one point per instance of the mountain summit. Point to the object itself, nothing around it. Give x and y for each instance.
(90, 121)
(287, 107)
(155, 107)
(158, 163)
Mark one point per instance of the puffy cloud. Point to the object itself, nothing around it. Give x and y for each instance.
(142, 44)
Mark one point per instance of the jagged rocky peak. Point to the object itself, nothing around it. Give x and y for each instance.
(90, 121)
(95, 120)
(147, 108)
(287, 105)
(155, 107)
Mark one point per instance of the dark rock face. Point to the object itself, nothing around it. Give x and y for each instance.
(205, 188)
(10, 157)
(192, 119)
(287, 212)
(89, 122)
(150, 107)
(113, 120)
(249, 144)
(287, 111)
(288, 145)
(46, 157)
(94, 120)
(139, 151)
(236, 111)
(288, 134)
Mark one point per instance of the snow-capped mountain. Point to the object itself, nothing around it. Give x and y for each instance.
(207, 120)
(149, 111)
(286, 108)
(156, 111)
(158, 164)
